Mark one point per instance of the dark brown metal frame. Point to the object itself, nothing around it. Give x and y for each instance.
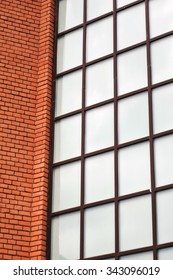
(150, 138)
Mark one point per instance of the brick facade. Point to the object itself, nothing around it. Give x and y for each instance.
(26, 57)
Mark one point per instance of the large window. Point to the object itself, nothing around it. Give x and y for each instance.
(111, 188)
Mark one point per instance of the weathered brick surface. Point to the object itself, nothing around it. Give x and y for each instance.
(26, 53)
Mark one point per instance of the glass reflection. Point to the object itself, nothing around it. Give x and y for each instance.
(132, 70)
(99, 230)
(65, 236)
(135, 223)
(164, 212)
(131, 26)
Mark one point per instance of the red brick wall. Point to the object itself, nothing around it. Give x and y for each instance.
(26, 54)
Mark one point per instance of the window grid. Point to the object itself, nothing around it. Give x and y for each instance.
(116, 199)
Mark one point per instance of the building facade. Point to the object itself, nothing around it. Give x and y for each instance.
(86, 129)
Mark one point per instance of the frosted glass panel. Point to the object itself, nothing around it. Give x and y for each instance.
(66, 186)
(134, 168)
(161, 59)
(161, 16)
(70, 14)
(133, 117)
(163, 108)
(99, 177)
(163, 151)
(96, 8)
(99, 82)
(100, 128)
(67, 138)
(68, 93)
(69, 51)
(135, 223)
(132, 70)
(131, 27)
(139, 256)
(121, 3)
(100, 38)
(164, 216)
(165, 254)
(99, 235)
(65, 237)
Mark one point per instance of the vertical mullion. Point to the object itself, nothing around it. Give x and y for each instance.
(83, 132)
(151, 133)
(115, 128)
(52, 127)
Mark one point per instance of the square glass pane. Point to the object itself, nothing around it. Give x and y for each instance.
(121, 3)
(99, 128)
(68, 93)
(139, 256)
(134, 168)
(131, 27)
(133, 117)
(161, 59)
(99, 230)
(163, 155)
(69, 51)
(164, 212)
(161, 17)
(70, 14)
(96, 8)
(99, 38)
(163, 108)
(135, 218)
(165, 254)
(66, 186)
(99, 177)
(99, 82)
(67, 138)
(65, 237)
(132, 70)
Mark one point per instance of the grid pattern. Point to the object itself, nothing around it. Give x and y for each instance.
(112, 182)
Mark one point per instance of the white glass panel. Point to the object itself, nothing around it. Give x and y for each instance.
(100, 128)
(165, 254)
(135, 223)
(163, 108)
(97, 8)
(164, 216)
(163, 151)
(65, 237)
(70, 14)
(99, 82)
(161, 59)
(161, 16)
(139, 256)
(134, 168)
(100, 38)
(67, 138)
(132, 70)
(99, 233)
(121, 3)
(131, 26)
(68, 93)
(133, 117)
(69, 51)
(99, 177)
(66, 186)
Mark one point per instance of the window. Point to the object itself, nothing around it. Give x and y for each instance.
(111, 182)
